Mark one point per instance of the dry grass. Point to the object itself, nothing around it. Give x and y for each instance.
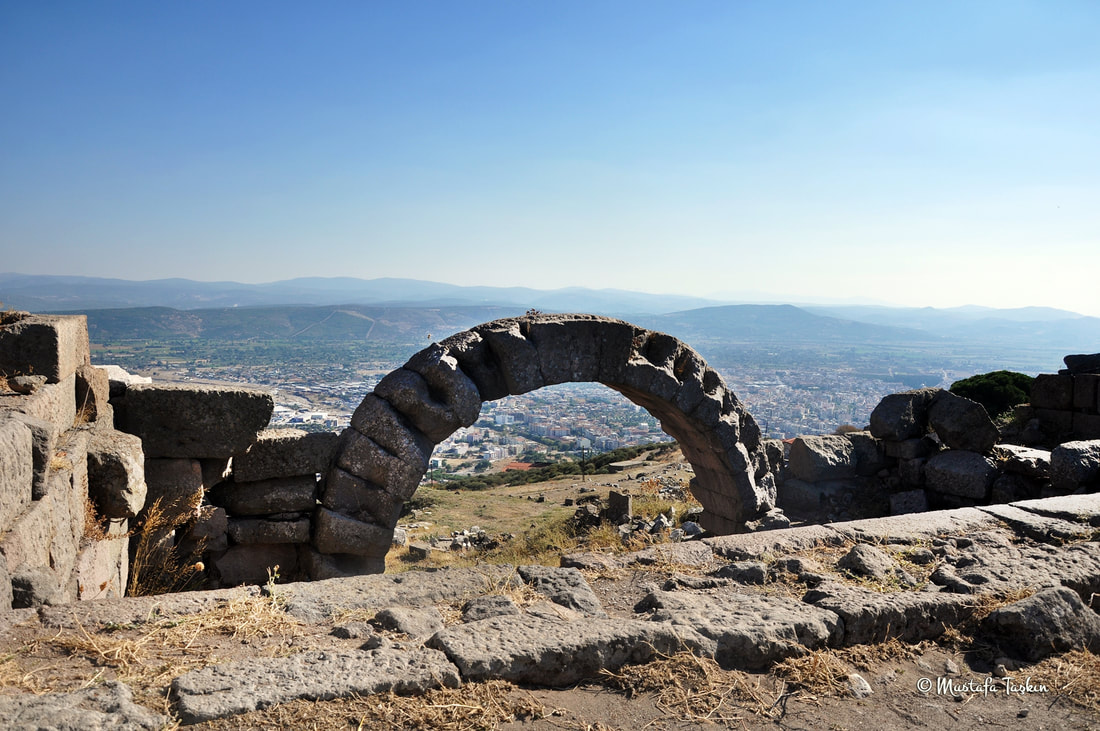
(693, 688)
(95, 525)
(60, 462)
(159, 566)
(864, 657)
(1075, 675)
(985, 604)
(820, 672)
(149, 655)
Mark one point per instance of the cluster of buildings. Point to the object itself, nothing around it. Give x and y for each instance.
(570, 417)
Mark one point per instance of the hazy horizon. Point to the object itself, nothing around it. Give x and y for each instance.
(938, 155)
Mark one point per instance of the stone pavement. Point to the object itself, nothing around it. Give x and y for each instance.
(746, 600)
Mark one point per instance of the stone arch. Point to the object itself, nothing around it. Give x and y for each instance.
(384, 454)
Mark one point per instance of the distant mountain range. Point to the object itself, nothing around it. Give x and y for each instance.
(40, 293)
(406, 310)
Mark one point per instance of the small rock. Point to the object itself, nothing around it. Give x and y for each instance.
(858, 686)
(26, 384)
(352, 631)
(865, 560)
(950, 667)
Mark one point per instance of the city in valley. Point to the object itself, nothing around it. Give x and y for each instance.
(568, 420)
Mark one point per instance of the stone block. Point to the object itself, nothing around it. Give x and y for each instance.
(868, 453)
(47, 345)
(283, 495)
(1086, 426)
(869, 616)
(1026, 461)
(259, 683)
(960, 473)
(17, 473)
(1010, 487)
(410, 394)
(27, 544)
(1052, 391)
(569, 347)
(102, 568)
(620, 505)
(116, 473)
(827, 457)
(911, 472)
(382, 424)
(1054, 421)
(35, 586)
(1074, 464)
(93, 395)
(362, 457)
(517, 356)
(909, 501)
(250, 564)
(910, 448)
(447, 382)
(801, 497)
(345, 493)
(257, 530)
(531, 649)
(119, 379)
(185, 420)
(335, 533)
(961, 423)
(72, 447)
(1086, 390)
(44, 437)
(901, 416)
(320, 566)
(208, 530)
(53, 402)
(66, 529)
(175, 486)
(285, 453)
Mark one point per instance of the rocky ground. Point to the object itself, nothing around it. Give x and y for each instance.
(966, 618)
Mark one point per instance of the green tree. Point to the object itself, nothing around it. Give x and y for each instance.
(997, 391)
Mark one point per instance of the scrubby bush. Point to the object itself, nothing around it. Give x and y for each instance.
(997, 391)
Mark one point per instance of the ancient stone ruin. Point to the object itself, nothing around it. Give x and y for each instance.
(928, 521)
(90, 454)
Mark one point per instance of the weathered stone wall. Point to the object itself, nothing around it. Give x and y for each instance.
(1066, 405)
(65, 472)
(931, 449)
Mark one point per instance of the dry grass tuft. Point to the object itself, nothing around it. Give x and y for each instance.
(865, 656)
(95, 525)
(1076, 675)
(820, 672)
(694, 688)
(474, 706)
(985, 604)
(159, 566)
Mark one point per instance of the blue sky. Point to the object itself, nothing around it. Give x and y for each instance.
(929, 154)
